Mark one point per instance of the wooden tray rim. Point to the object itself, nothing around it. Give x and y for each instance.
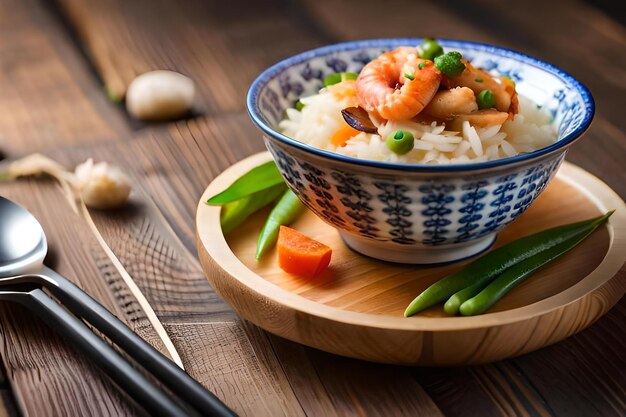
(210, 236)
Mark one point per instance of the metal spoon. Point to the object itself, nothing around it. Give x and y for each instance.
(22, 241)
(23, 247)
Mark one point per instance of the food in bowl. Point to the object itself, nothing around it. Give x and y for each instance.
(419, 105)
(418, 213)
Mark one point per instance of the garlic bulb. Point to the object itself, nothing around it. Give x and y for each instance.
(160, 95)
(102, 186)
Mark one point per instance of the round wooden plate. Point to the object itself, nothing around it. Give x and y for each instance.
(355, 308)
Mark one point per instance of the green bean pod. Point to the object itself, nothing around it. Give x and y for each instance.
(513, 276)
(258, 179)
(286, 211)
(451, 307)
(485, 269)
(235, 212)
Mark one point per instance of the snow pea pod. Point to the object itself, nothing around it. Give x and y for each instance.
(286, 211)
(485, 269)
(513, 276)
(338, 77)
(257, 179)
(235, 212)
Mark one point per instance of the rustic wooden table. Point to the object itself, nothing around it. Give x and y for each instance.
(61, 64)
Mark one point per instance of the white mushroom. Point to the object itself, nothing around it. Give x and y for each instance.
(102, 186)
(160, 95)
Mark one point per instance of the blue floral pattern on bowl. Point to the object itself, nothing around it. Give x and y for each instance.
(417, 213)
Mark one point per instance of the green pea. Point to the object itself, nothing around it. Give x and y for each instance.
(299, 105)
(430, 49)
(338, 77)
(400, 142)
(485, 99)
(450, 64)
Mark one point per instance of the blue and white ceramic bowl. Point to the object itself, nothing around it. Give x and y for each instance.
(416, 213)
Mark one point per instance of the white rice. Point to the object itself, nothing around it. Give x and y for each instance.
(529, 130)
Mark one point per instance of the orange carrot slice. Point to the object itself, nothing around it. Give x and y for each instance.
(341, 136)
(299, 254)
(344, 90)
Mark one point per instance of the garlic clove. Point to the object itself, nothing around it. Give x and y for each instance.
(160, 95)
(102, 186)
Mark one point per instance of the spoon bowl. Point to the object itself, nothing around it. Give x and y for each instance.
(23, 244)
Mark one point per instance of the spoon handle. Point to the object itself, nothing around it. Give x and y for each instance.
(146, 393)
(81, 304)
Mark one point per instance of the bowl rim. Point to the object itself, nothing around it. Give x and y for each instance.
(266, 76)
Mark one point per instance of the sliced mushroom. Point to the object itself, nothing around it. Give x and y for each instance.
(359, 119)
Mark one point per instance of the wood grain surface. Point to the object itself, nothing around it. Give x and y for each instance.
(364, 285)
(355, 308)
(61, 63)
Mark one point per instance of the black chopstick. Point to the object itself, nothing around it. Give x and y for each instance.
(147, 394)
(166, 371)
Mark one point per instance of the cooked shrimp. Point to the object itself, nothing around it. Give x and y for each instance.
(509, 85)
(397, 85)
(448, 103)
(481, 118)
(479, 80)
